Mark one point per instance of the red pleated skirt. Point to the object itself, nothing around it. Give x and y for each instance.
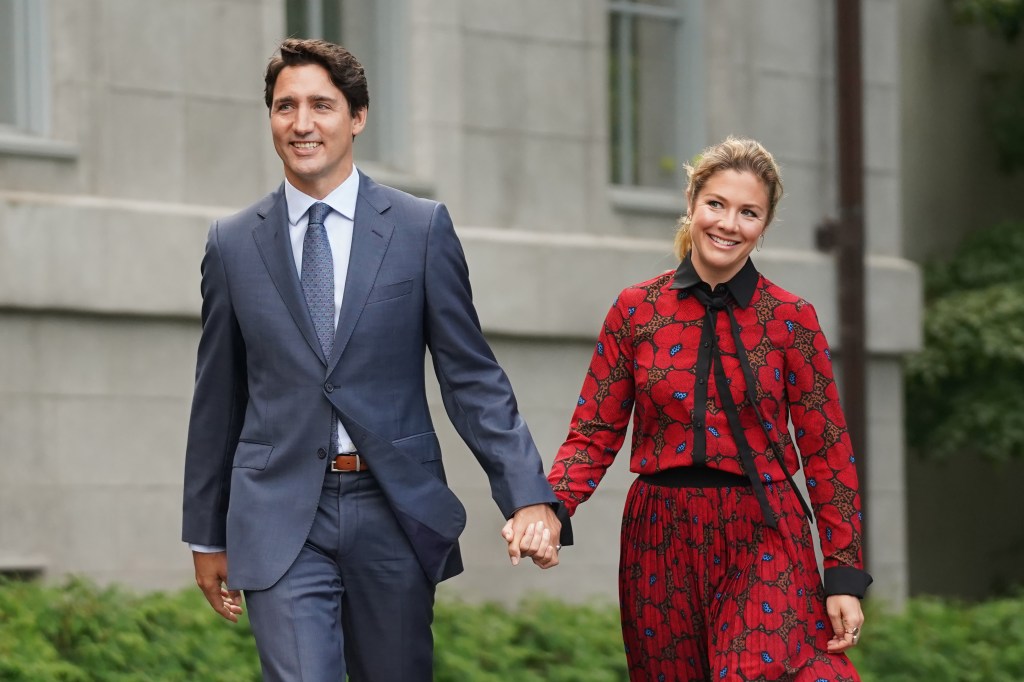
(709, 592)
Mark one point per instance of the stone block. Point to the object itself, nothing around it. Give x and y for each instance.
(142, 51)
(808, 201)
(495, 17)
(559, 94)
(881, 35)
(565, 21)
(791, 120)
(883, 213)
(554, 185)
(881, 128)
(493, 189)
(495, 85)
(131, 118)
(120, 442)
(791, 38)
(223, 54)
(221, 142)
(437, 79)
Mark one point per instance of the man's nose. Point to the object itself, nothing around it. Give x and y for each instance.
(303, 120)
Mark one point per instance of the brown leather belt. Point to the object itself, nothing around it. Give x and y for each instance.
(349, 463)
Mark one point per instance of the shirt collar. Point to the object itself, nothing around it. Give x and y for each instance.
(342, 199)
(741, 286)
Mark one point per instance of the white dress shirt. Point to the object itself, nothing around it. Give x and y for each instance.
(338, 224)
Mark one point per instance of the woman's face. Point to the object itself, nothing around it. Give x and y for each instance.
(727, 218)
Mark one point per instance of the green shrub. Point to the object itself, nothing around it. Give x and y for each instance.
(964, 385)
(80, 633)
(942, 641)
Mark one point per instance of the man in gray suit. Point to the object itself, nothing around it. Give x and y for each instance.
(313, 477)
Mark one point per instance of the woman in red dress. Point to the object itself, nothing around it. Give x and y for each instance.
(718, 578)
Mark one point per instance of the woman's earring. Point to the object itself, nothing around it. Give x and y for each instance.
(760, 241)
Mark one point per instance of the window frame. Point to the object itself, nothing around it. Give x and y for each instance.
(28, 34)
(689, 135)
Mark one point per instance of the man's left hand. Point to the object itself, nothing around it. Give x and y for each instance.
(533, 532)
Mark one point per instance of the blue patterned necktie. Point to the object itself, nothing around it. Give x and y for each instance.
(318, 288)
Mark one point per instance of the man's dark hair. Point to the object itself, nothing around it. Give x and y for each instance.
(345, 71)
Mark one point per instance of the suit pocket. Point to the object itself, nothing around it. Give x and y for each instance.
(386, 292)
(421, 446)
(425, 448)
(249, 455)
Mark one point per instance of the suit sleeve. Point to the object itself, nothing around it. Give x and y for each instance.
(218, 407)
(476, 392)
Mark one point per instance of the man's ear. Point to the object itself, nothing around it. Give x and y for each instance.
(359, 121)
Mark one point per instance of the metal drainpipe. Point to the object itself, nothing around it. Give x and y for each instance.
(850, 237)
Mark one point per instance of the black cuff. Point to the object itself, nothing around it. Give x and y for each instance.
(565, 538)
(846, 580)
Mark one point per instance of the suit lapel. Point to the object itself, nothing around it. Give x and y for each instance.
(371, 234)
(275, 248)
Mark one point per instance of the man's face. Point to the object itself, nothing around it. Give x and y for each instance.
(313, 129)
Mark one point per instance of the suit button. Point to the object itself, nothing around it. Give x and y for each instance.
(329, 387)
(321, 453)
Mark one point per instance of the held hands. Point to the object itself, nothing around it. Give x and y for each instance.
(847, 619)
(533, 532)
(211, 574)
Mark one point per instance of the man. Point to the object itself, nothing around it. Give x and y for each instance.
(313, 477)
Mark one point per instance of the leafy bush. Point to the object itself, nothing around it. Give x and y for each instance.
(963, 391)
(80, 633)
(942, 641)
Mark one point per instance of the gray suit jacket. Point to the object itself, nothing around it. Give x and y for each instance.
(260, 423)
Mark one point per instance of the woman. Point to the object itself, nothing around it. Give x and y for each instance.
(718, 578)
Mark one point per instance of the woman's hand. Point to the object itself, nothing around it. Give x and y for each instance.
(847, 620)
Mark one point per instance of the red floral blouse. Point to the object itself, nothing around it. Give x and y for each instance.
(651, 362)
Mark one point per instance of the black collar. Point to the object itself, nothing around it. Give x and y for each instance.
(741, 286)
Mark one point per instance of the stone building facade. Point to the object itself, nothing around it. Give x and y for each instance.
(555, 132)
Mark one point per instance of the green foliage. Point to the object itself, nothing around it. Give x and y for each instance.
(541, 641)
(80, 633)
(963, 391)
(942, 641)
(1004, 17)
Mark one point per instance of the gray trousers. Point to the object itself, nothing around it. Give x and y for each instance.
(355, 600)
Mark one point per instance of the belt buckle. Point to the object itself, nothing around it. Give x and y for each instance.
(336, 470)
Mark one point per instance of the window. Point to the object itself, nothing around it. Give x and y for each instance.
(24, 70)
(368, 30)
(654, 88)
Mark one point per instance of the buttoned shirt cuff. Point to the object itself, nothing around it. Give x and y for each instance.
(846, 580)
(206, 549)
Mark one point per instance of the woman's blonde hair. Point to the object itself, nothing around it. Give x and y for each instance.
(737, 154)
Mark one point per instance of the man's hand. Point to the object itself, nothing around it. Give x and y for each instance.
(533, 531)
(847, 619)
(211, 575)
